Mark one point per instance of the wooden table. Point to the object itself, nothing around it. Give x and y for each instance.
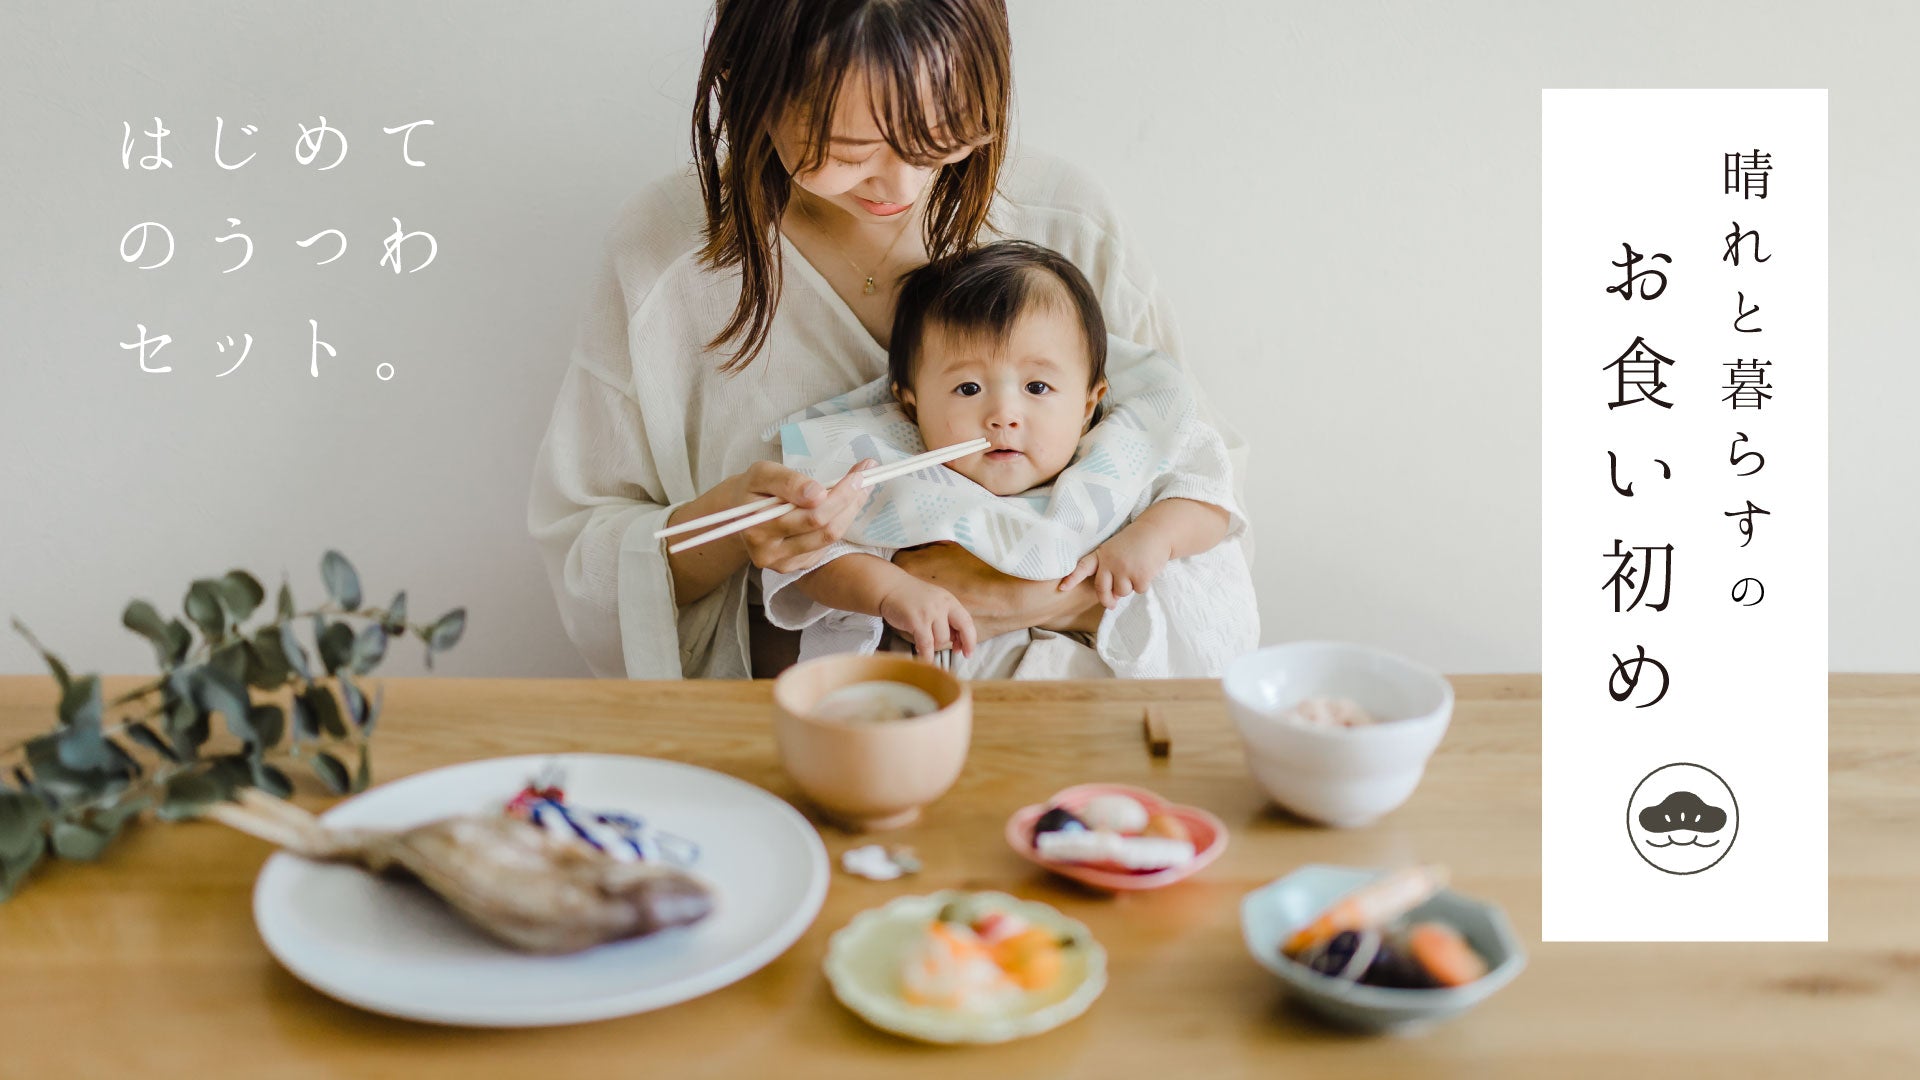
(148, 964)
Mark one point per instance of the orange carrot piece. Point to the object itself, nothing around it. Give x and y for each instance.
(1443, 953)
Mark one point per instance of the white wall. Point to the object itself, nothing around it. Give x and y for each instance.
(1343, 200)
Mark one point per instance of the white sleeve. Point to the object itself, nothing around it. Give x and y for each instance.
(1200, 613)
(1195, 618)
(823, 630)
(595, 501)
(790, 609)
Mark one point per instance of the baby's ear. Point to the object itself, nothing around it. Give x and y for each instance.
(904, 396)
(1095, 395)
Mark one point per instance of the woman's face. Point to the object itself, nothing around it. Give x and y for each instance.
(860, 174)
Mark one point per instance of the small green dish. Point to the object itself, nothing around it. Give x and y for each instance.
(1271, 913)
(863, 967)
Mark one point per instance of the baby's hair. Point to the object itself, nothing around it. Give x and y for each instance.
(982, 292)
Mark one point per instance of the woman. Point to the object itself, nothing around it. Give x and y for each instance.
(837, 144)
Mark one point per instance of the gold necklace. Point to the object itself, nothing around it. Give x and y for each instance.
(867, 286)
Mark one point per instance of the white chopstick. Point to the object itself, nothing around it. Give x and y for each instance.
(880, 474)
(767, 509)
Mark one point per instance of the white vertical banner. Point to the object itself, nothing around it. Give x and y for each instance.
(1684, 515)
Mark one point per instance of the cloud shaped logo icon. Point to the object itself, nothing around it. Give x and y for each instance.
(1683, 810)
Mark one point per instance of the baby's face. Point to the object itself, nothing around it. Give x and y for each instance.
(1029, 397)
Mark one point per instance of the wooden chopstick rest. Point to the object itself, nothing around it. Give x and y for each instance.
(1159, 739)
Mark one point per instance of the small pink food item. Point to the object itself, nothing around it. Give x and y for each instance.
(1329, 712)
(979, 958)
(951, 968)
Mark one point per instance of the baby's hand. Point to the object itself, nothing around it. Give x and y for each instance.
(933, 617)
(1125, 564)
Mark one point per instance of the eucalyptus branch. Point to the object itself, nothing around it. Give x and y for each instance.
(78, 785)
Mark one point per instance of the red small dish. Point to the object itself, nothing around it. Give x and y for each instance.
(1208, 832)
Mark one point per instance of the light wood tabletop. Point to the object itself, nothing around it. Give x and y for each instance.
(148, 964)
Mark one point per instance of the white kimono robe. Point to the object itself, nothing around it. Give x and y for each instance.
(645, 421)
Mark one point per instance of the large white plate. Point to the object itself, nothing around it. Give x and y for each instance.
(396, 949)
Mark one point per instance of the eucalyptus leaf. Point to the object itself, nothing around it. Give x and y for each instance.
(331, 773)
(363, 775)
(369, 648)
(373, 712)
(180, 641)
(396, 620)
(188, 794)
(59, 669)
(188, 726)
(272, 780)
(306, 725)
(152, 740)
(60, 674)
(77, 842)
(203, 607)
(284, 606)
(142, 619)
(15, 868)
(336, 646)
(356, 702)
(266, 664)
(22, 818)
(295, 655)
(326, 711)
(80, 704)
(67, 782)
(110, 819)
(241, 593)
(124, 761)
(84, 750)
(269, 722)
(214, 690)
(343, 584)
(446, 630)
(232, 659)
(231, 772)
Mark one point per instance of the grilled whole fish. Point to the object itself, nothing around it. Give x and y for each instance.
(534, 890)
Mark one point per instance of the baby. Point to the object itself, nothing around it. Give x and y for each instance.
(1006, 343)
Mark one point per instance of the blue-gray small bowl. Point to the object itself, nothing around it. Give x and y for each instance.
(1269, 914)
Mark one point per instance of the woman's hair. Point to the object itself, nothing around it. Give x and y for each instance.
(981, 292)
(766, 56)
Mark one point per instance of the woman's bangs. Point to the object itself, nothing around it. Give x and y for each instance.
(930, 107)
(928, 110)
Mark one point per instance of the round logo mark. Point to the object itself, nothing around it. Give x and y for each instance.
(1682, 818)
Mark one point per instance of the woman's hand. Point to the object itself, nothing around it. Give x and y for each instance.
(928, 614)
(792, 542)
(1000, 603)
(795, 541)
